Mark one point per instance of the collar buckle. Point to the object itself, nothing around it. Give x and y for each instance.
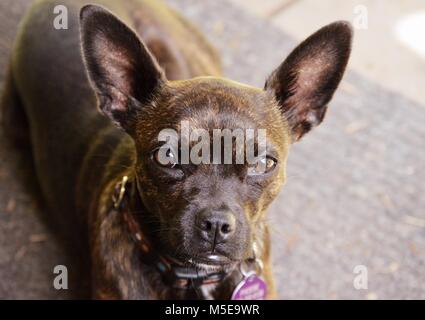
(118, 195)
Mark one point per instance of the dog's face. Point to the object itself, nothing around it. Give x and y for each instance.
(209, 211)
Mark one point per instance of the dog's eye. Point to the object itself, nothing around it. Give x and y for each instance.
(262, 166)
(165, 157)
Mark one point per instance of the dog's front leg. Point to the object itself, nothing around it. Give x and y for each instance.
(267, 269)
(117, 272)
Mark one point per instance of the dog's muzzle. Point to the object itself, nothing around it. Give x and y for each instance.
(187, 275)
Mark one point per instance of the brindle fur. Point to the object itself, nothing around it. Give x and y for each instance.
(80, 155)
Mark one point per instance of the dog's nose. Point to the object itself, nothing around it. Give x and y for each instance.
(216, 226)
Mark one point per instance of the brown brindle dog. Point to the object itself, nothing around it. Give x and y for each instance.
(158, 231)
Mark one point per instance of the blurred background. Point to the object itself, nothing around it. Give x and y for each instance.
(355, 189)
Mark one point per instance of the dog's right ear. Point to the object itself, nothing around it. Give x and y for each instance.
(122, 71)
(306, 81)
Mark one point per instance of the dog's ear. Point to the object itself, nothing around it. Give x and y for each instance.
(306, 81)
(122, 71)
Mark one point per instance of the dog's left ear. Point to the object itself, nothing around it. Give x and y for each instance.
(121, 69)
(306, 81)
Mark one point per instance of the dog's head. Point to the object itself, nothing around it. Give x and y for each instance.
(209, 212)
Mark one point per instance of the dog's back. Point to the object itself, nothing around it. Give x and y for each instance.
(49, 82)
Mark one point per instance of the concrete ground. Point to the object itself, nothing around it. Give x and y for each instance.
(354, 194)
(389, 43)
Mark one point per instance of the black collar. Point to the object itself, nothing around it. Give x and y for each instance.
(127, 200)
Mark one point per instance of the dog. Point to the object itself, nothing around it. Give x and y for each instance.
(155, 230)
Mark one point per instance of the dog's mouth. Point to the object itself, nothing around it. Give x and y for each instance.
(210, 263)
(212, 260)
(213, 263)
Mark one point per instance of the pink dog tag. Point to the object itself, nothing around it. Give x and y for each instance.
(252, 287)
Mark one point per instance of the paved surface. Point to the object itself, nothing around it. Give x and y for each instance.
(354, 195)
(387, 34)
